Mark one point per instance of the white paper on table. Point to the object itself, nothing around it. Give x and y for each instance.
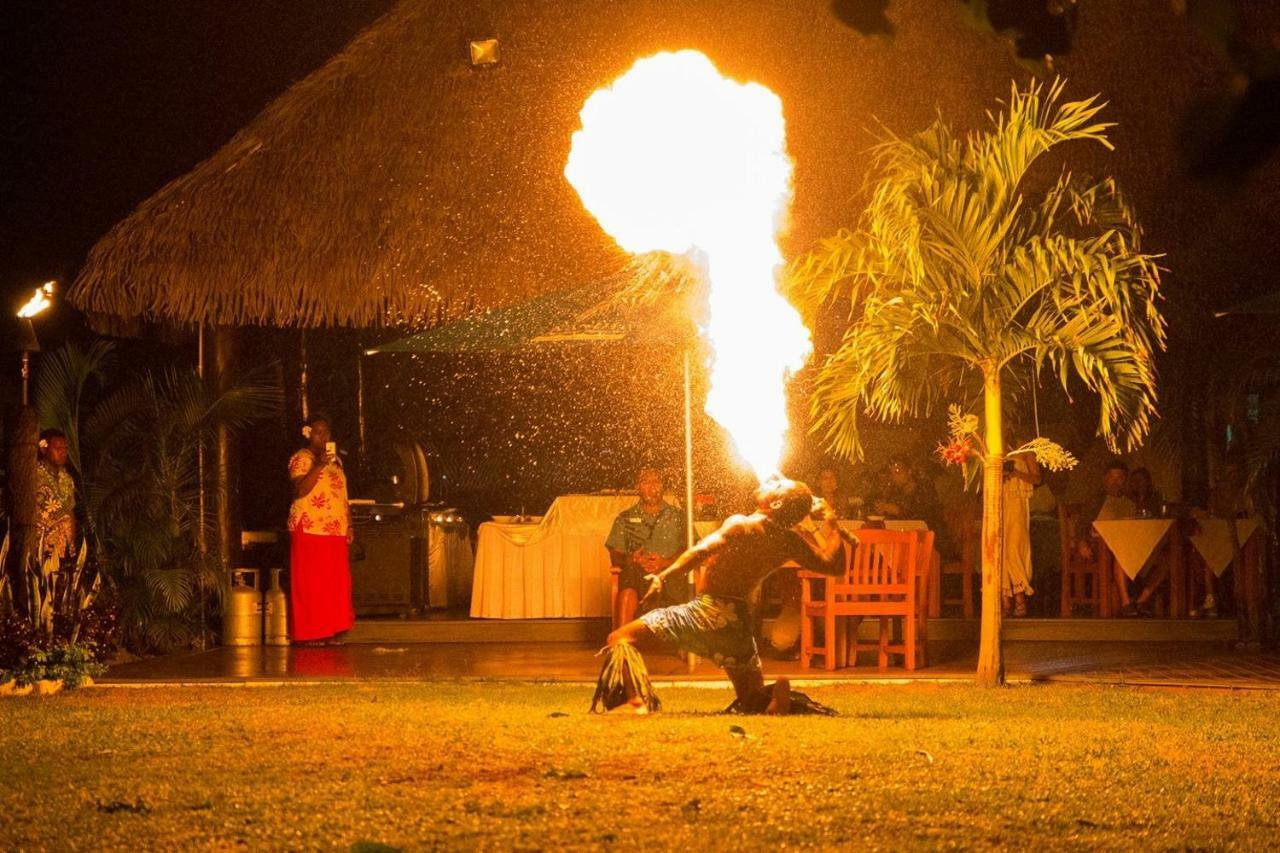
(1213, 540)
(1134, 541)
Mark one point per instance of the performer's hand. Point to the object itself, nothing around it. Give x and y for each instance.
(655, 590)
(351, 534)
(825, 511)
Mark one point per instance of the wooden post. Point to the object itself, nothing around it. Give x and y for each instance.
(22, 438)
(227, 481)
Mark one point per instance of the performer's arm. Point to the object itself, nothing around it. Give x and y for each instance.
(686, 562)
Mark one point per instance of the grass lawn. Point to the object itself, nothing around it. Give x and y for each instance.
(509, 765)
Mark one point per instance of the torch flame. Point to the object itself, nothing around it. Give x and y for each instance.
(38, 301)
(675, 157)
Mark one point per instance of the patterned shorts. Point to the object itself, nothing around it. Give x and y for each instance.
(718, 629)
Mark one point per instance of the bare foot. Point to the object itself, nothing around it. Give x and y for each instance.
(780, 703)
(633, 708)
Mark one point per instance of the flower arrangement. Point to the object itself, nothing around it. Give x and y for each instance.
(965, 446)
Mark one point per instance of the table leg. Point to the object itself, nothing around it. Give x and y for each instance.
(1177, 574)
(1106, 581)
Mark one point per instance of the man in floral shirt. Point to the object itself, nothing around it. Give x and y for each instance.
(55, 498)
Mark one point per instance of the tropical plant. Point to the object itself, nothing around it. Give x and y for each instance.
(965, 272)
(62, 388)
(137, 452)
(143, 496)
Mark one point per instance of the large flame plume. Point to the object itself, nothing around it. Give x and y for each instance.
(675, 157)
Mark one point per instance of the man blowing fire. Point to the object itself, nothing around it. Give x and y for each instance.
(716, 624)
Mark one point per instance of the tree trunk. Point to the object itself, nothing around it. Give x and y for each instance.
(991, 649)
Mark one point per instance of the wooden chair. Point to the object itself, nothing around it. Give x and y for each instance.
(927, 570)
(1085, 582)
(964, 530)
(881, 580)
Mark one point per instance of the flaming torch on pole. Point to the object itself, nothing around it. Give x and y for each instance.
(675, 157)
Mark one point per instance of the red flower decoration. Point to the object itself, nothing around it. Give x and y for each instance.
(956, 452)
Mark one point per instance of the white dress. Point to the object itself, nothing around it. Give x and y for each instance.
(1017, 531)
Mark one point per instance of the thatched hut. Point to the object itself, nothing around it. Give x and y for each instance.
(401, 183)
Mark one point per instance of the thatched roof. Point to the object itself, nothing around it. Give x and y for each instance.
(398, 183)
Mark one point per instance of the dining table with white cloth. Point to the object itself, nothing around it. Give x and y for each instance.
(1212, 540)
(1135, 543)
(555, 568)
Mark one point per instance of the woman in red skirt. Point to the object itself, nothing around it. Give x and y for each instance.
(320, 530)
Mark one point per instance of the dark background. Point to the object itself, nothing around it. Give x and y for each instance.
(105, 102)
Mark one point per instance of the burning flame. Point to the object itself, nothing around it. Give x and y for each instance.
(38, 301)
(675, 157)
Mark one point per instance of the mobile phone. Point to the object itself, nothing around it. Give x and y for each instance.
(331, 447)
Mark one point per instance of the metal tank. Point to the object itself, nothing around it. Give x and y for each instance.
(242, 610)
(275, 616)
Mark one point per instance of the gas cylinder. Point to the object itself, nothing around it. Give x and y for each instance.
(242, 610)
(275, 616)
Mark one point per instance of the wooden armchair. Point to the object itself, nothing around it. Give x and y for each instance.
(881, 580)
(1085, 581)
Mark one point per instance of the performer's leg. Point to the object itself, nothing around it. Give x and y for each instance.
(748, 684)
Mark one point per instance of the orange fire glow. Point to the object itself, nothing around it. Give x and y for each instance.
(675, 157)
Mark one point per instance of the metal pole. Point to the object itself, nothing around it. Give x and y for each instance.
(688, 451)
(302, 379)
(360, 402)
(202, 533)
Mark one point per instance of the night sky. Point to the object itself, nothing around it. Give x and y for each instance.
(105, 102)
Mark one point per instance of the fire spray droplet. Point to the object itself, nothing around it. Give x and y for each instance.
(675, 157)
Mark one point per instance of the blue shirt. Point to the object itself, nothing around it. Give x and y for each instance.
(661, 534)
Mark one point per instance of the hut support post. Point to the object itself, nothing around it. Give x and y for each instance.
(226, 504)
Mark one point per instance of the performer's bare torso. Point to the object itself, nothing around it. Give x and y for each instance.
(747, 549)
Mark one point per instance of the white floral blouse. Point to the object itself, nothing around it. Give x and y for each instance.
(323, 511)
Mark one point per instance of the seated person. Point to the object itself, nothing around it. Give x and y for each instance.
(644, 540)
(830, 490)
(1110, 505)
(1140, 489)
(901, 495)
(1112, 502)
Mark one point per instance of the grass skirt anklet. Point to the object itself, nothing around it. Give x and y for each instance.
(623, 676)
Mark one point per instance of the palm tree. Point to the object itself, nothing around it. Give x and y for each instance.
(964, 270)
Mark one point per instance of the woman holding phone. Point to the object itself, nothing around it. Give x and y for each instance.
(320, 610)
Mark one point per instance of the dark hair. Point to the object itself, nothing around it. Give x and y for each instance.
(1117, 465)
(316, 417)
(785, 501)
(51, 433)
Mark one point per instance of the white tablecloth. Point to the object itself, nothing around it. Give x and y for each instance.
(889, 524)
(450, 564)
(1134, 541)
(1213, 540)
(557, 568)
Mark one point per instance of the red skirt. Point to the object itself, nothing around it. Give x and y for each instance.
(319, 587)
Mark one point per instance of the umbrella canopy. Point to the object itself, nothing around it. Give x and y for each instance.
(645, 303)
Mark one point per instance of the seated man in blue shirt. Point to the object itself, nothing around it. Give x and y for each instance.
(644, 540)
